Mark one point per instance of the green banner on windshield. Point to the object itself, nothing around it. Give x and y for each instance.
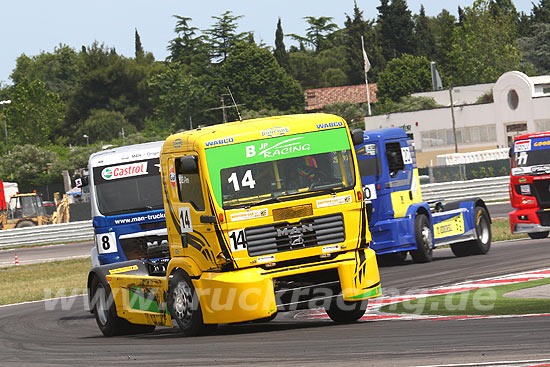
(272, 149)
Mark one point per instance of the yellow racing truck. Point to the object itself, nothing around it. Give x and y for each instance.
(263, 216)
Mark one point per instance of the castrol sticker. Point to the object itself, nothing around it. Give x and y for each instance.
(522, 145)
(172, 175)
(125, 170)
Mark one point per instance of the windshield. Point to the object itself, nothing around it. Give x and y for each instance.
(269, 170)
(128, 188)
(530, 153)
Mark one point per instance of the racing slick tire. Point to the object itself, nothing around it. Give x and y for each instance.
(104, 310)
(482, 244)
(424, 240)
(184, 307)
(538, 235)
(350, 312)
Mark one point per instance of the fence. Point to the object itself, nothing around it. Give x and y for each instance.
(489, 189)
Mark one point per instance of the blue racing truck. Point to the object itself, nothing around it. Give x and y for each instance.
(399, 220)
(127, 207)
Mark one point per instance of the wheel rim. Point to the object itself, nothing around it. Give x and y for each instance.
(483, 227)
(101, 305)
(183, 305)
(427, 237)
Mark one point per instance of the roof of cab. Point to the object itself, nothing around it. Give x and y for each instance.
(384, 134)
(542, 134)
(249, 130)
(114, 154)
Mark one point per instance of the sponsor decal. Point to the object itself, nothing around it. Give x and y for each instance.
(123, 270)
(331, 248)
(333, 201)
(522, 145)
(125, 170)
(329, 125)
(449, 227)
(172, 175)
(275, 131)
(522, 180)
(177, 143)
(251, 214)
(270, 150)
(219, 142)
(265, 259)
(541, 143)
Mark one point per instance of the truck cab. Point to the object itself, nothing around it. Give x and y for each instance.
(399, 220)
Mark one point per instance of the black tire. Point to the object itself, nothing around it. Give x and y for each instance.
(104, 309)
(460, 249)
(482, 244)
(424, 240)
(184, 307)
(538, 235)
(350, 312)
(25, 224)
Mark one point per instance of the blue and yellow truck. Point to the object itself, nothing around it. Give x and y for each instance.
(399, 220)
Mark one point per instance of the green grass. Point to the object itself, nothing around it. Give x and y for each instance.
(483, 301)
(45, 280)
(500, 229)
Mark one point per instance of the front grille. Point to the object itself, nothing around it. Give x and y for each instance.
(147, 247)
(284, 236)
(542, 191)
(544, 217)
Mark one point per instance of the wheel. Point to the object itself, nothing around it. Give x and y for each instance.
(184, 306)
(482, 244)
(350, 312)
(103, 307)
(424, 240)
(460, 249)
(25, 223)
(538, 235)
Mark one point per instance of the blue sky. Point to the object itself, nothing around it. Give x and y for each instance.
(32, 26)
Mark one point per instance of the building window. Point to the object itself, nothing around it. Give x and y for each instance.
(513, 99)
(464, 135)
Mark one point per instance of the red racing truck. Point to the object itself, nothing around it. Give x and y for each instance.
(530, 185)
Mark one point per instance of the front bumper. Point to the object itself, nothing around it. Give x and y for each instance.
(530, 221)
(250, 294)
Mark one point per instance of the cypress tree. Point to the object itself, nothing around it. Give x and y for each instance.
(280, 51)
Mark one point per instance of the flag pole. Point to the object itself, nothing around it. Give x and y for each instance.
(367, 67)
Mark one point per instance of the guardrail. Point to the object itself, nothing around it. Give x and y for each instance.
(47, 234)
(489, 189)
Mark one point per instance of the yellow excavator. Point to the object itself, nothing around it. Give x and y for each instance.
(27, 210)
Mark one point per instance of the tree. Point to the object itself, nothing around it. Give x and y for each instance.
(318, 30)
(425, 40)
(280, 51)
(188, 48)
(483, 47)
(536, 48)
(403, 76)
(34, 114)
(257, 81)
(103, 125)
(355, 28)
(222, 37)
(444, 27)
(30, 166)
(306, 69)
(139, 52)
(541, 12)
(179, 97)
(396, 28)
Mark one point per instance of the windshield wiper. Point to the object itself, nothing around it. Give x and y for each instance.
(271, 200)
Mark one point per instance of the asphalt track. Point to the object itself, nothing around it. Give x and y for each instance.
(44, 334)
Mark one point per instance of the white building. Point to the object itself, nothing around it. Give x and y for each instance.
(521, 105)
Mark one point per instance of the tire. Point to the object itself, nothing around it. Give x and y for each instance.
(104, 310)
(424, 240)
(538, 235)
(482, 244)
(352, 311)
(25, 224)
(460, 249)
(184, 306)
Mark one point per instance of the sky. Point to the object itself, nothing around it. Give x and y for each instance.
(32, 26)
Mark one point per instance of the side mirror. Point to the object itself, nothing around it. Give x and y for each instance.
(357, 136)
(189, 164)
(82, 182)
(510, 152)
